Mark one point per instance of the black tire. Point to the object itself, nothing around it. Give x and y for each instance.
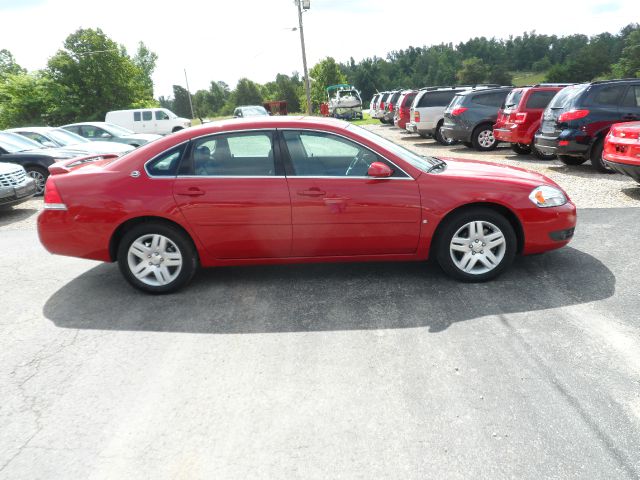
(521, 148)
(176, 129)
(596, 157)
(468, 144)
(180, 243)
(40, 175)
(569, 160)
(482, 138)
(543, 156)
(424, 135)
(505, 252)
(441, 139)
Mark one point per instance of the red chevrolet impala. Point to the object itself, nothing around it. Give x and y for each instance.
(282, 190)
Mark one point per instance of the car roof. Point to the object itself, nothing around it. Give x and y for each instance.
(96, 124)
(484, 90)
(31, 129)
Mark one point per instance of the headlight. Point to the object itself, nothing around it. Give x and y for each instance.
(546, 196)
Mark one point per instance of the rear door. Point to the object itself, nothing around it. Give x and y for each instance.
(337, 209)
(234, 194)
(630, 108)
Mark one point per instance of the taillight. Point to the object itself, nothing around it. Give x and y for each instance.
(381, 105)
(572, 115)
(458, 111)
(52, 198)
(390, 107)
(520, 118)
(615, 132)
(416, 116)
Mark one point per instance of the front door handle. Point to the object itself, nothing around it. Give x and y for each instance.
(312, 192)
(191, 192)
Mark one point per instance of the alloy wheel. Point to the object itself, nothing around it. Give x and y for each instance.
(154, 259)
(477, 247)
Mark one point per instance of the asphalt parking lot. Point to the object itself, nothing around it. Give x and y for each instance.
(330, 371)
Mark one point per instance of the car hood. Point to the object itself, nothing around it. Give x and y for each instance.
(457, 167)
(102, 147)
(9, 168)
(148, 137)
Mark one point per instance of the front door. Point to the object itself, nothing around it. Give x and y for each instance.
(337, 209)
(235, 197)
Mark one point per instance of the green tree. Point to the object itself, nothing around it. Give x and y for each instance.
(8, 64)
(92, 75)
(24, 100)
(145, 60)
(247, 92)
(324, 73)
(181, 105)
(629, 64)
(473, 71)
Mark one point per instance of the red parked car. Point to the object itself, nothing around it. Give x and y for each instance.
(622, 149)
(402, 112)
(282, 190)
(520, 118)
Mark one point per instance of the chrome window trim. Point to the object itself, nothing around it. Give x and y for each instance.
(409, 177)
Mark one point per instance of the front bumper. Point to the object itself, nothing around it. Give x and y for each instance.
(10, 196)
(548, 228)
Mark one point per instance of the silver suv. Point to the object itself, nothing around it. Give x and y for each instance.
(427, 112)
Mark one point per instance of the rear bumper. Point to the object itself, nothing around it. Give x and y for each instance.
(630, 169)
(456, 133)
(411, 127)
(549, 228)
(511, 135)
(567, 143)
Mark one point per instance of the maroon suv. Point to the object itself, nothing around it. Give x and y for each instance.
(520, 117)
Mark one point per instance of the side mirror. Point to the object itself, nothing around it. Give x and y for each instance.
(379, 170)
(105, 135)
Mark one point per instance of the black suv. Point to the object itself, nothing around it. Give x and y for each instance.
(577, 120)
(470, 116)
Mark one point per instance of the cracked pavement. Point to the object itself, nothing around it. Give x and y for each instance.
(324, 371)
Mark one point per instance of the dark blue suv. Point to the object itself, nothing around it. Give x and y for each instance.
(577, 120)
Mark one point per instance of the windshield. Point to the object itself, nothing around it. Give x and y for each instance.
(117, 130)
(13, 142)
(65, 137)
(169, 112)
(565, 96)
(247, 111)
(417, 161)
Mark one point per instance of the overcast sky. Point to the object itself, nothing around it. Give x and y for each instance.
(230, 39)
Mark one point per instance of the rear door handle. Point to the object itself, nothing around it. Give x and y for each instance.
(191, 192)
(312, 192)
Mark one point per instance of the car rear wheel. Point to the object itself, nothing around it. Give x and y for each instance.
(476, 245)
(157, 258)
(521, 148)
(483, 139)
(569, 160)
(596, 157)
(40, 176)
(442, 139)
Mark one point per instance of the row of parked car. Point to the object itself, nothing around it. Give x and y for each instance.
(571, 121)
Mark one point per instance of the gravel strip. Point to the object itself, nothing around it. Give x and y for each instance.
(586, 187)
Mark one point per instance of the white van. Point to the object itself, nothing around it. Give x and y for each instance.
(148, 120)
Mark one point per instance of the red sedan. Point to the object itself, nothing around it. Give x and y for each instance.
(622, 149)
(283, 190)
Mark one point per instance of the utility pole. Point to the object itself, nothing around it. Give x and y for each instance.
(304, 54)
(189, 93)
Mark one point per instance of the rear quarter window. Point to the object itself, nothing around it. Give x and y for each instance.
(166, 164)
(490, 99)
(541, 99)
(437, 99)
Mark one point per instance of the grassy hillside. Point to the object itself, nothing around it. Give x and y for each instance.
(528, 78)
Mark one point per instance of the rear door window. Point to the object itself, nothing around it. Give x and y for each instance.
(607, 96)
(136, 116)
(540, 99)
(437, 99)
(147, 116)
(632, 97)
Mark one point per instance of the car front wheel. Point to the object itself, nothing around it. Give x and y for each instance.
(157, 258)
(476, 245)
(39, 176)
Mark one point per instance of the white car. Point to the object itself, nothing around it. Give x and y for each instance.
(160, 121)
(15, 185)
(58, 137)
(427, 112)
(108, 132)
